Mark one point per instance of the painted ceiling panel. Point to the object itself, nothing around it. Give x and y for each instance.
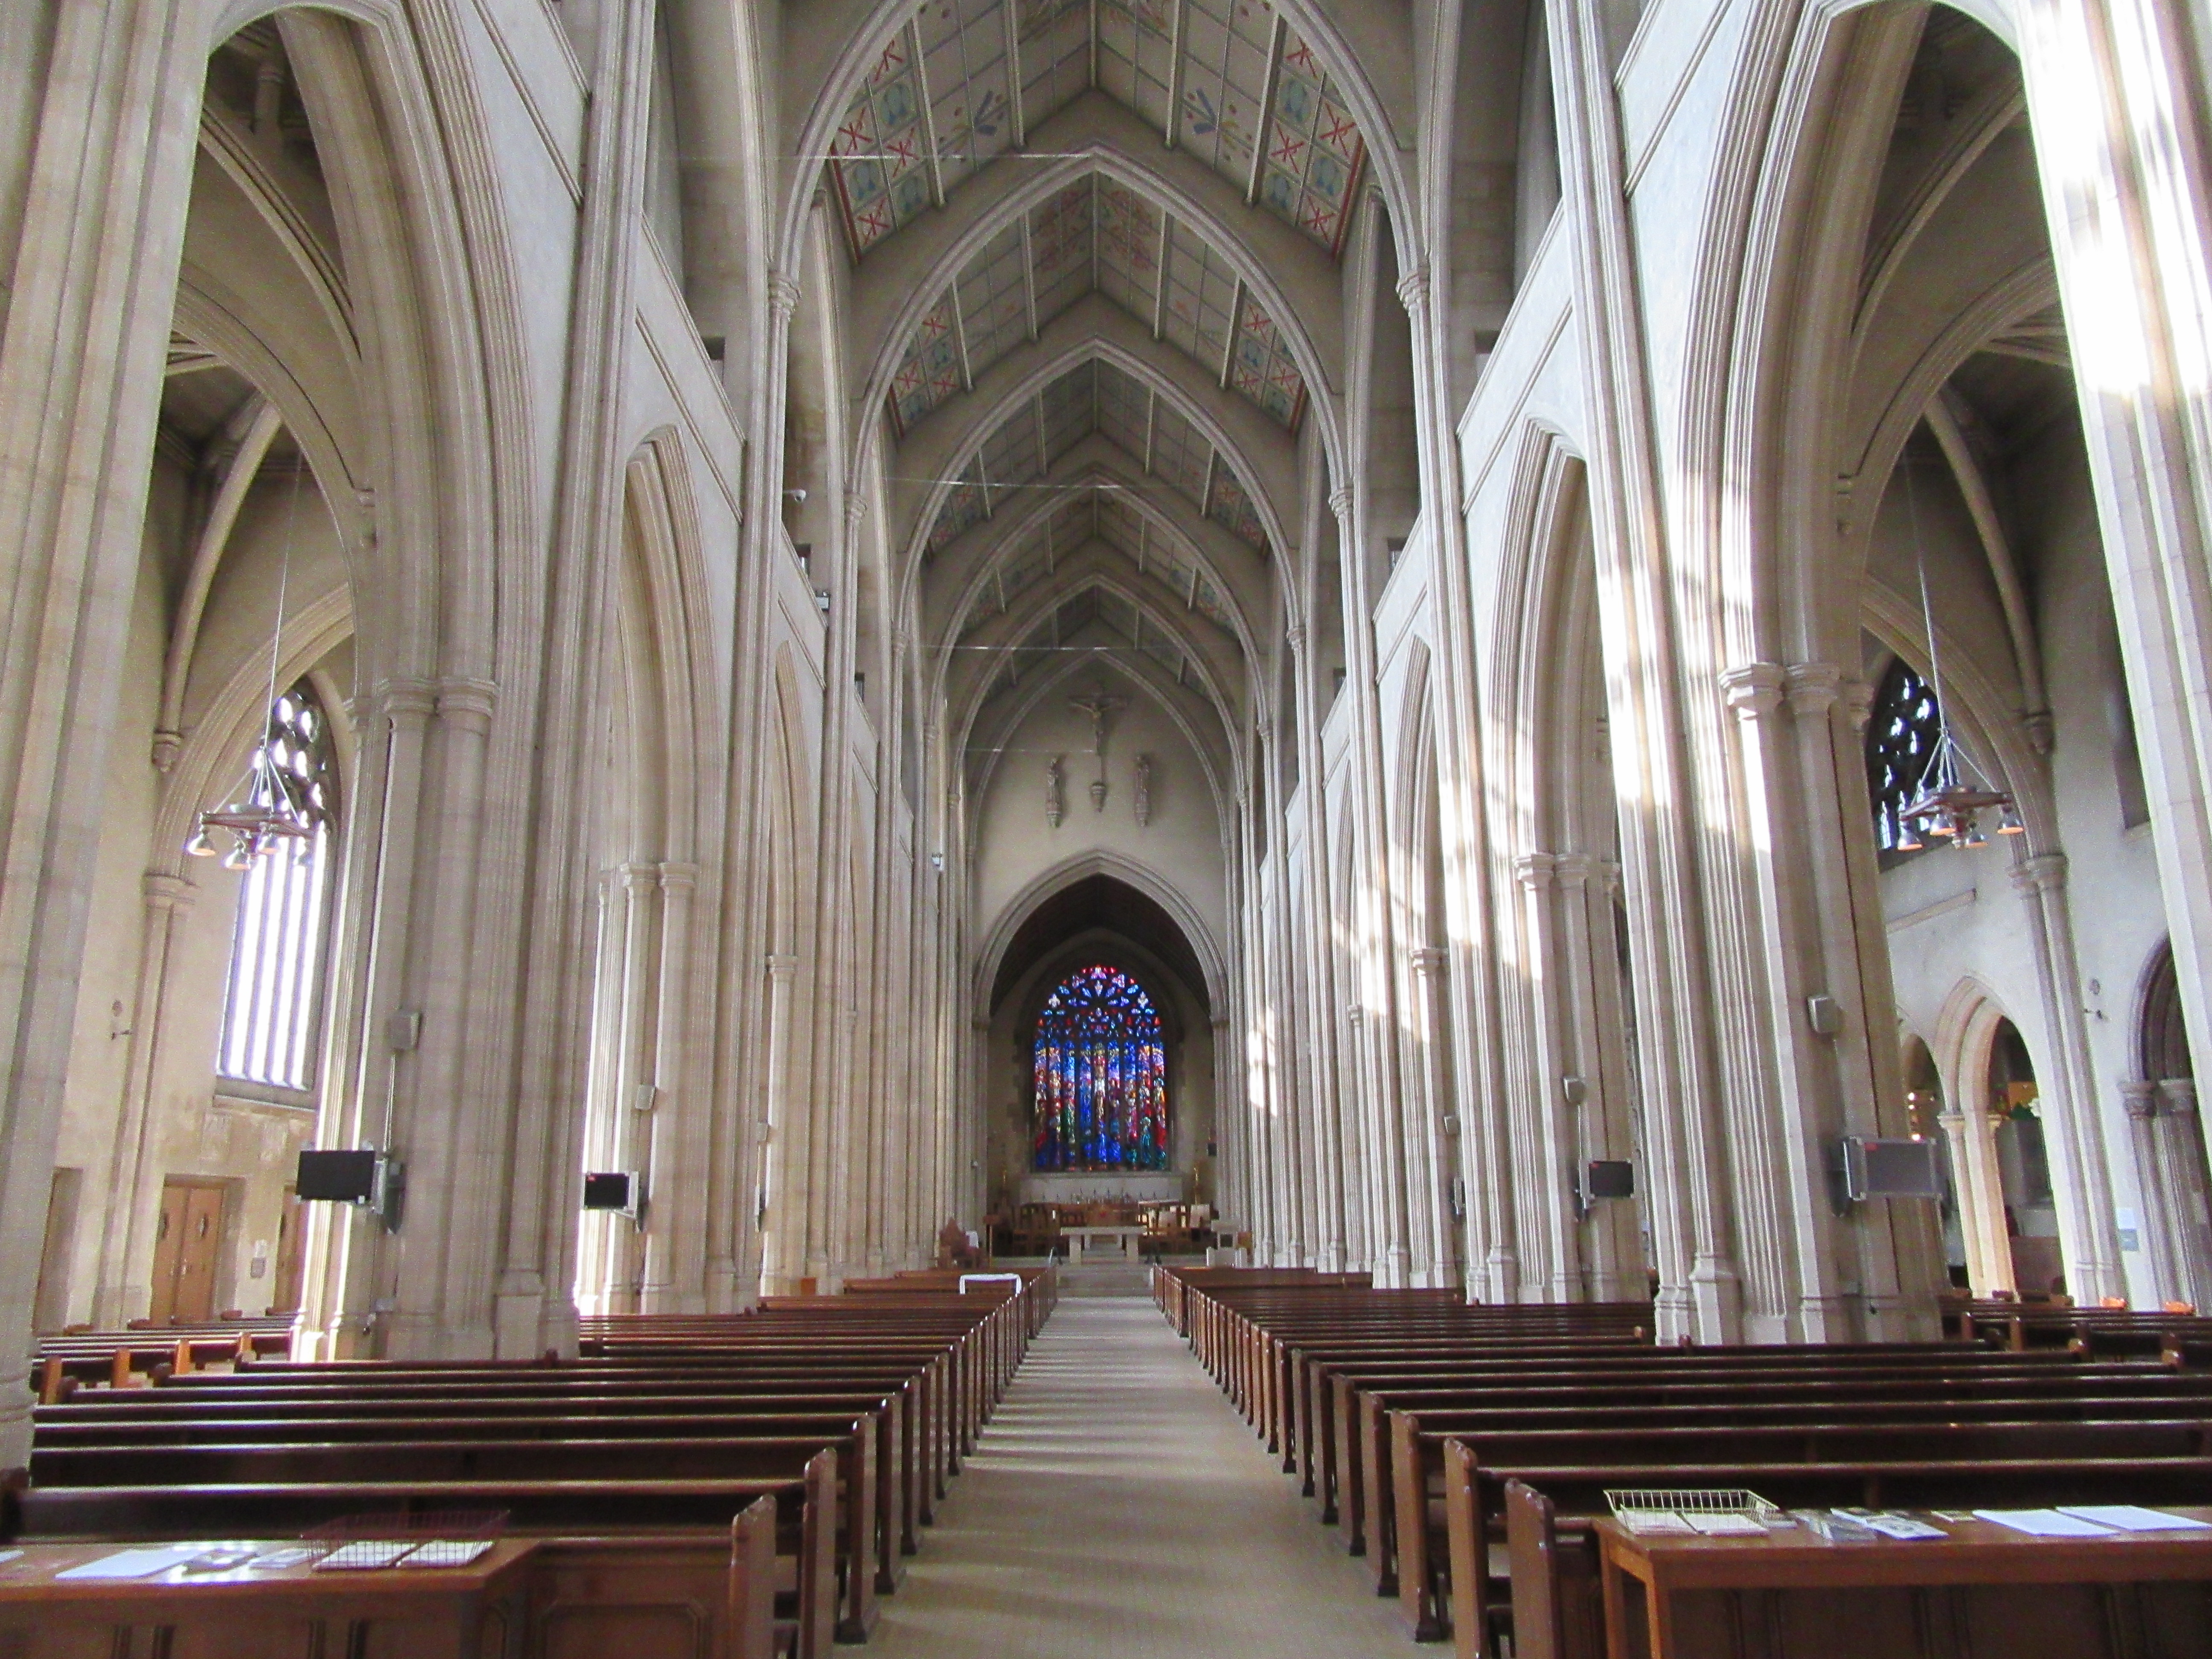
(1180, 453)
(1202, 289)
(1314, 150)
(964, 54)
(994, 302)
(1070, 408)
(888, 184)
(1230, 507)
(929, 373)
(1224, 79)
(1060, 246)
(1260, 366)
(1056, 55)
(1134, 55)
(963, 508)
(1122, 406)
(1128, 233)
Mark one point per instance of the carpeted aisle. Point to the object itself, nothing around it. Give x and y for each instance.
(1118, 1508)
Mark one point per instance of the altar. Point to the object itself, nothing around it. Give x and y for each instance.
(1080, 1239)
(1107, 1187)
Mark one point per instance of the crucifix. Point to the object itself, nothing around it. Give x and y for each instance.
(1099, 705)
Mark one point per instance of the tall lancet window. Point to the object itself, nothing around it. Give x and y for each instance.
(1102, 1076)
(270, 1007)
(1900, 741)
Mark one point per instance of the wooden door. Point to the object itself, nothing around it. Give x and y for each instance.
(185, 1247)
(284, 1294)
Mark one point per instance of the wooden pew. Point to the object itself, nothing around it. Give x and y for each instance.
(1556, 1608)
(620, 1541)
(672, 1596)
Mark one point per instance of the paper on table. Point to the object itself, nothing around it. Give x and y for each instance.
(2133, 1517)
(364, 1556)
(2044, 1523)
(132, 1563)
(1726, 1526)
(1651, 1522)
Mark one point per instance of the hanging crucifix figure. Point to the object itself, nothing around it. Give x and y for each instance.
(1099, 705)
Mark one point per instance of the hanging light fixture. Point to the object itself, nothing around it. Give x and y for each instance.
(271, 804)
(1954, 793)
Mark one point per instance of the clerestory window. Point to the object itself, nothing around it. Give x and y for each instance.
(273, 1000)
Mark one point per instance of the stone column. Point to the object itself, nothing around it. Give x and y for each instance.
(1289, 1153)
(2158, 1234)
(1544, 1140)
(2116, 101)
(2080, 1175)
(1692, 1097)
(126, 1250)
(1981, 1192)
(1324, 1092)
(80, 365)
(1428, 1104)
(1384, 1104)
(1612, 1255)
(678, 1134)
(1492, 1263)
(781, 1247)
(2179, 1135)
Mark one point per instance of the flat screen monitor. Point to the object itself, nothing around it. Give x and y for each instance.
(1892, 1169)
(1612, 1178)
(608, 1190)
(348, 1177)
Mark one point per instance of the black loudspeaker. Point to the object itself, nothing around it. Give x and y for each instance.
(615, 1190)
(348, 1177)
(1890, 1169)
(1609, 1177)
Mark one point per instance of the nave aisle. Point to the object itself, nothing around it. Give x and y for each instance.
(1116, 1507)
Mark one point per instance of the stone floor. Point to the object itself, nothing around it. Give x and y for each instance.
(1118, 1508)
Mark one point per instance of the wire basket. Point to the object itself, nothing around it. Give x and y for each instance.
(409, 1527)
(1657, 1509)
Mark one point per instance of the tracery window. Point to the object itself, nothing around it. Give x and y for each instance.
(1101, 1074)
(1900, 742)
(272, 1001)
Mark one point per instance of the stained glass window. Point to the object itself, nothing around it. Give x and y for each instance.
(1901, 740)
(1102, 1076)
(271, 1003)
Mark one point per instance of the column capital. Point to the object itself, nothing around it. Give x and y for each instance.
(1574, 870)
(1812, 687)
(2179, 1094)
(1413, 287)
(678, 877)
(1428, 961)
(638, 878)
(1534, 869)
(407, 699)
(165, 891)
(1858, 702)
(1754, 690)
(856, 508)
(467, 702)
(1295, 636)
(782, 294)
(783, 965)
(2045, 873)
(2139, 1095)
(1340, 501)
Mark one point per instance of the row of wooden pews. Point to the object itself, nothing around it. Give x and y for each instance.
(81, 1357)
(1467, 1451)
(739, 1485)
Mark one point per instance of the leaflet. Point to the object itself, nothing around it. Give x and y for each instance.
(2132, 1517)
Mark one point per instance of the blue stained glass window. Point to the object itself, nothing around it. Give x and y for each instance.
(1102, 1076)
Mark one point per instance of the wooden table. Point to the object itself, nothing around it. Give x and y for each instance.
(1079, 1239)
(475, 1612)
(1977, 1552)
